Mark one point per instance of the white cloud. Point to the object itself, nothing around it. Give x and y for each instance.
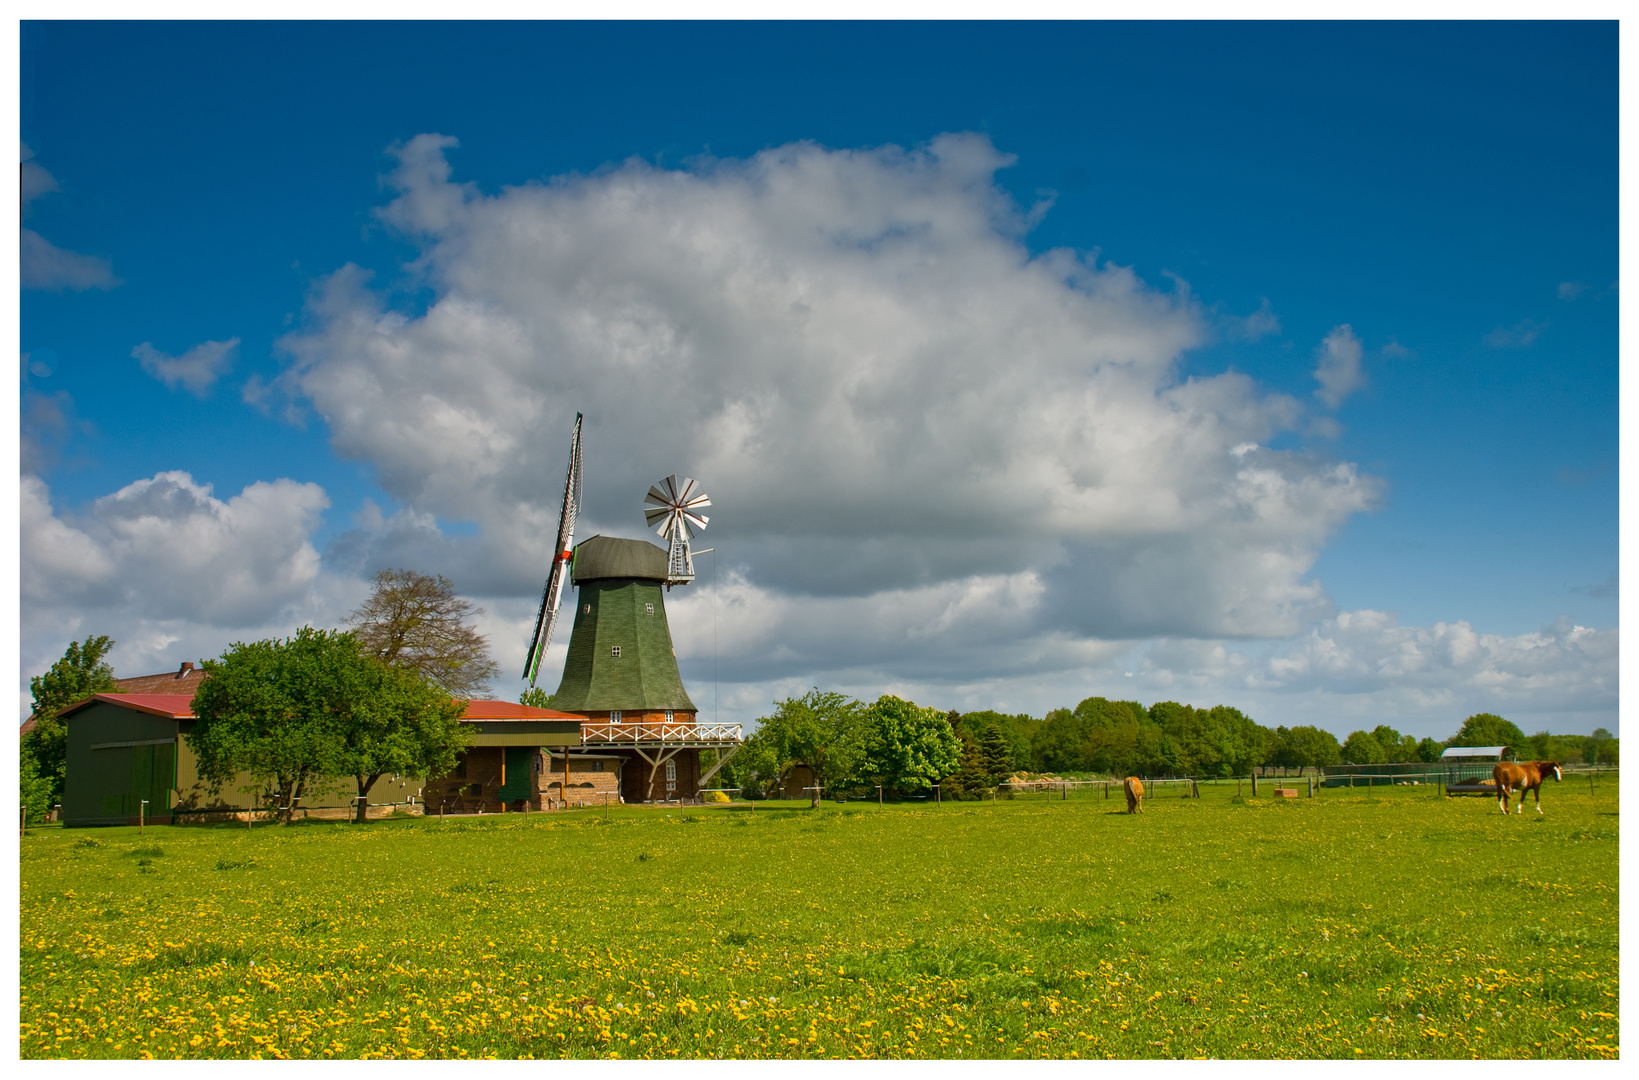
(879, 385)
(1337, 367)
(1570, 290)
(51, 268)
(1261, 323)
(1519, 336)
(195, 370)
(35, 181)
(166, 549)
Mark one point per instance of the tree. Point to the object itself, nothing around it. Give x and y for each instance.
(1306, 745)
(1487, 729)
(536, 698)
(1600, 748)
(415, 621)
(80, 673)
(907, 747)
(1429, 750)
(294, 713)
(1360, 748)
(823, 730)
(1020, 730)
(995, 755)
(398, 723)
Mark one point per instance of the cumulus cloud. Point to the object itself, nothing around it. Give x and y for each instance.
(882, 389)
(43, 264)
(49, 423)
(35, 181)
(1261, 323)
(195, 370)
(1570, 290)
(1337, 366)
(166, 548)
(48, 267)
(1519, 336)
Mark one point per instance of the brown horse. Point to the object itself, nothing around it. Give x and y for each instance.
(1522, 776)
(1134, 787)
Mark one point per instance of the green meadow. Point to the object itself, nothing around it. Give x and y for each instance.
(1390, 923)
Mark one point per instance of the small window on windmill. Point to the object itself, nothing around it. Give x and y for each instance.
(614, 716)
(671, 776)
(597, 766)
(668, 716)
(587, 610)
(614, 650)
(648, 609)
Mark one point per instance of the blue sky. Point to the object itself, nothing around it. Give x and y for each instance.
(1426, 213)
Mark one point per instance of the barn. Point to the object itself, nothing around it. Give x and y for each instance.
(127, 759)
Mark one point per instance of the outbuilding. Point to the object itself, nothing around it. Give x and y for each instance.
(1468, 768)
(128, 761)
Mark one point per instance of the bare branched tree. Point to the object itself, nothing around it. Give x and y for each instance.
(415, 621)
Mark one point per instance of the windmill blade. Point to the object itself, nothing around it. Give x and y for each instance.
(547, 619)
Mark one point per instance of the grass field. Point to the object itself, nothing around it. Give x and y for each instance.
(1401, 924)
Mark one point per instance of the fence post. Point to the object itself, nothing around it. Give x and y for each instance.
(1254, 783)
(1311, 787)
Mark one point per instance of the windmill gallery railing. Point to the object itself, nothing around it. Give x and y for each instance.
(649, 733)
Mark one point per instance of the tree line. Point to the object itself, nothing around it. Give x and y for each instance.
(854, 747)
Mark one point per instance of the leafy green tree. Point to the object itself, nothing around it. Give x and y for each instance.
(908, 748)
(36, 790)
(1019, 728)
(1537, 747)
(1360, 748)
(80, 673)
(1487, 729)
(1600, 748)
(535, 698)
(823, 730)
(292, 713)
(757, 765)
(1407, 750)
(1307, 746)
(1429, 750)
(397, 723)
(1060, 742)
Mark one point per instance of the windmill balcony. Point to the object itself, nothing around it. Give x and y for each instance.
(652, 729)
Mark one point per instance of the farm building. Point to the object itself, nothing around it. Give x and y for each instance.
(125, 749)
(621, 674)
(1468, 768)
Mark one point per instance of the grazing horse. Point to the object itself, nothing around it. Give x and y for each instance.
(1134, 787)
(1522, 776)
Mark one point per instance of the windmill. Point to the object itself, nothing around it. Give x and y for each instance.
(547, 620)
(676, 505)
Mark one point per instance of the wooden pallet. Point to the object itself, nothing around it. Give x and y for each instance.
(1286, 793)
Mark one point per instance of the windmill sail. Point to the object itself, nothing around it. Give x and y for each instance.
(547, 620)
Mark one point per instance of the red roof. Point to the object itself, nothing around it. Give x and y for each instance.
(511, 710)
(180, 707)
(175, 706)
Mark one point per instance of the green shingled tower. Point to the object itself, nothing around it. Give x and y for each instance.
(620, 650)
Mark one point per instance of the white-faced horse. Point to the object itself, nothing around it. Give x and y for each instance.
(1522, 776)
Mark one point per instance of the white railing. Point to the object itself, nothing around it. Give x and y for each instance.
(629, 733)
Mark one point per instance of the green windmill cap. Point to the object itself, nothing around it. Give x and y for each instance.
(612, 557)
